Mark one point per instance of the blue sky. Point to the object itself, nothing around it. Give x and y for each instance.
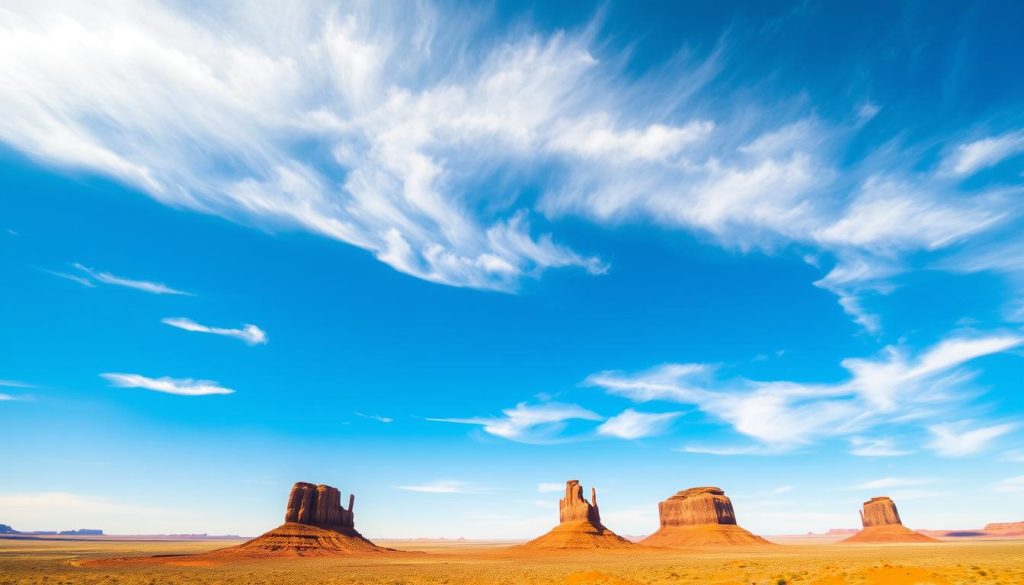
(446, 256)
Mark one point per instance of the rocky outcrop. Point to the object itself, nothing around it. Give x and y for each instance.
(700, 517)
(319, 505)
(579, 525)
(880, 511)
(882, 524)
(315, 525)
(574, 507)
(696, 506)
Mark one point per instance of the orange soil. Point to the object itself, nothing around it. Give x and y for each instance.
(578, 535)
(891, 533)
(290, 540)
(704, 536)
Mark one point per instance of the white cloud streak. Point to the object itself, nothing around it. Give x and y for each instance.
(971, 157)
(143, 285)
(528, 423)
(15, 384)
(418, 137)
(181, 387)
(1010, 485)
(249, 333)
(378, 418)
(892, 482)
(875, 447)
(957, 440)
(890, 387)
(441, 487)
(630, 424)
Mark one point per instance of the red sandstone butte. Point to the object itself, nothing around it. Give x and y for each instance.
(579, 525)
(700, 517)
(315, 525)
(882, 524)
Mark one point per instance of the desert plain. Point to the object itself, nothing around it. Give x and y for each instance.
(811, 561)
(699, 542)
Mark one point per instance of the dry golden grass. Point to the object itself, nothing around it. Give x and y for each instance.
(947, 563)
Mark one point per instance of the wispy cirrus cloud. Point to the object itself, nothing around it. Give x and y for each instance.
(5, 397)
(249, 333)
(875, 447)
(892, 482)
(376, 417)
(1010, 485)
(781, 414)
(443, 486)
(112, 279)
(550, 487)
(82, 280)
(630, 424)
(528, 423)
(971, 157)
(415, 112)
(16, 384)
(179, 386)
(959, 439)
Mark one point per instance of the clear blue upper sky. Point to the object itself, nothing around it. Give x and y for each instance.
(447, 257)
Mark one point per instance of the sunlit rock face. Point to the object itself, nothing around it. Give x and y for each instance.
(319, 505)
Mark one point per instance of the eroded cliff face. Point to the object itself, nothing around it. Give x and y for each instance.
(697, 506)
(880, 511)
(574, 506)
(319, 505)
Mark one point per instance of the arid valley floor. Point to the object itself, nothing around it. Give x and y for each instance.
(795, 561)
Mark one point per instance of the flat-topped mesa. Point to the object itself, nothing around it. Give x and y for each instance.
(882, 523)
(574, 507)
(697, 506)
(319, 505)
(880, 511)
(700, 517)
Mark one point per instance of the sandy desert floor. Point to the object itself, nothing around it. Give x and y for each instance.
(975, 562)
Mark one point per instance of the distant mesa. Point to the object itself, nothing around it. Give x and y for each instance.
(1005, 528)
(7, 529)
(579, 525)
(882, 523)
(700, 517)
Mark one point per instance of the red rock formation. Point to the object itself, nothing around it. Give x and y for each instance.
(880, 512)
(1004, 527)
(579, 525)
(574, 507)
(318, 505)
(315, 525)
(882, 523)
(699, 517)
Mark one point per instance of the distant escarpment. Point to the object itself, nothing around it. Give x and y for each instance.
(579, 525)
(700, 517)
(882, 523)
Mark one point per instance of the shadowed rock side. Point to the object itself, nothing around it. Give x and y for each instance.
(882, 523)
(315, 526)
(700, 517)
(580, 525)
